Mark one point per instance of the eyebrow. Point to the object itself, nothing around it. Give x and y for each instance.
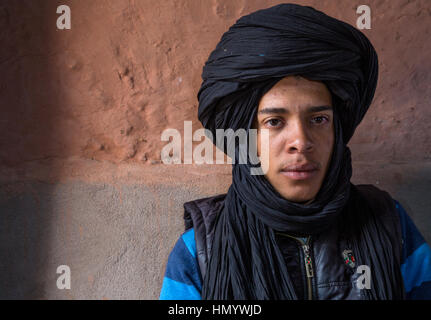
(283, 110)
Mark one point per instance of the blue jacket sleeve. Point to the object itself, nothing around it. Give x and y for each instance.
(182, 280)
(415, 260)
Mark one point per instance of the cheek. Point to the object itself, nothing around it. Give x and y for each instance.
(258, 144)
(275, 145)
(275, 151)
(329, 137)
(326, 143)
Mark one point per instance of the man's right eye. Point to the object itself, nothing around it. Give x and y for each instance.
(273, 122)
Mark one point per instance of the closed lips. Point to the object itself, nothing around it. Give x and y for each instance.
(300, 168)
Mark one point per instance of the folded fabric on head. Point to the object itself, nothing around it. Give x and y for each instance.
(284, 40)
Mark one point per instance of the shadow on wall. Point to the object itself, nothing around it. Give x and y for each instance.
(24, 242)
(409, 184)
(29, 98)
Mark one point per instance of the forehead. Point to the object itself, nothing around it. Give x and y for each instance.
(296, 92)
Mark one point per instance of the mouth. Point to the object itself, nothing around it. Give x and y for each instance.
(302, 171)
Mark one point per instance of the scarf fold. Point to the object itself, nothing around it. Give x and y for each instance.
(252, 56)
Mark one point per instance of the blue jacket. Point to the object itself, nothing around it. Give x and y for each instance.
(183, 281)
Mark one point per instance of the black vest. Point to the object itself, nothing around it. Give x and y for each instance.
(322, 267)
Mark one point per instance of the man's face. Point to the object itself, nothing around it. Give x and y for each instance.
(299, 116)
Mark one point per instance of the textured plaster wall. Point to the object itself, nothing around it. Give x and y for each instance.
(82, 112)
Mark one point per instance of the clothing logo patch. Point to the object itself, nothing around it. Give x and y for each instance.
(349, 259)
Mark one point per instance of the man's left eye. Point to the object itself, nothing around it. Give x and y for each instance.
(319, 119)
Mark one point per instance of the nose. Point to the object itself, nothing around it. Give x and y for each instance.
(299, 140)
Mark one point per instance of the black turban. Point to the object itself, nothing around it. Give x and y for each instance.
(253, 55)
(284, 40)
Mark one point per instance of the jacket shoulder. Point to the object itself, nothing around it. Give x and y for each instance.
(385, 210)
(201, 215)
(201, 209)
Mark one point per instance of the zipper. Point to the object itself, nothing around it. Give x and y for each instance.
(309, 272)
(308, 267)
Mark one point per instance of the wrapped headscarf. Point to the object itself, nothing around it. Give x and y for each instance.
(253, 55)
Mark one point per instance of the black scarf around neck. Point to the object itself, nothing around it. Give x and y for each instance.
(256, 52)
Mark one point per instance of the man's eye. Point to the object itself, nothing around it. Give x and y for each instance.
(273, 122)
(319, 119)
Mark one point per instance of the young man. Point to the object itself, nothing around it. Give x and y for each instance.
(301, 230)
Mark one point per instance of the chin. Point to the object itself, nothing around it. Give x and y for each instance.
(297, 191)
(298, 199)
(300, 196)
